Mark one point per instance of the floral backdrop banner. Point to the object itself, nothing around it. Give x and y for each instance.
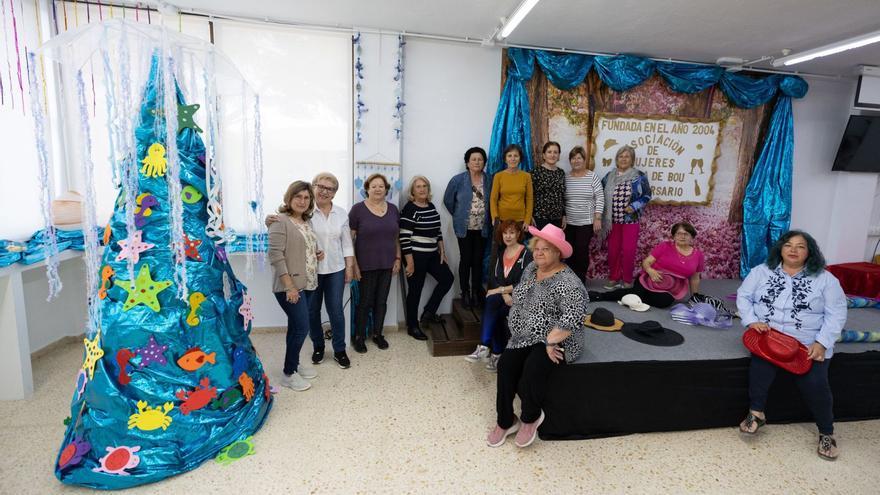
(677, 153)
(704, 186)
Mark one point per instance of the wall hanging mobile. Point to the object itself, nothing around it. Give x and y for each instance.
(170, 378)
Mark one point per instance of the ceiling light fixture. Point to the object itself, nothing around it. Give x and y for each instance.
(830, 49)
(518, 15)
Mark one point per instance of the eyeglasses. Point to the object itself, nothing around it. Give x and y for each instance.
(325, 188)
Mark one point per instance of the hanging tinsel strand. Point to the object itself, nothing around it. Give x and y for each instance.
(50, 243)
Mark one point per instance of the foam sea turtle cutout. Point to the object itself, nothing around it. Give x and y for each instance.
(236, 450)
(118, 459)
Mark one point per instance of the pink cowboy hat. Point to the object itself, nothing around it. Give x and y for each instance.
(670, 283)
(554, 235)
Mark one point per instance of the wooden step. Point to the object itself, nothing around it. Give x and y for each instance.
(469, 320)
(447, 338)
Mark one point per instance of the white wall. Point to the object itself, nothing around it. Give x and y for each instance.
(835, 207)
(452, 93)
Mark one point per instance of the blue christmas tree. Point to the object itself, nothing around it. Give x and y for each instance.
(166, 383)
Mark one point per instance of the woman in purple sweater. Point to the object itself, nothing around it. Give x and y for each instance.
(374, 224)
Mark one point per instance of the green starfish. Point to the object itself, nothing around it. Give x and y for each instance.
(143, 290)
(185, 117)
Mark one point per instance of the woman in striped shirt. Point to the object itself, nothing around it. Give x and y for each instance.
(584, 204)
(422, 246)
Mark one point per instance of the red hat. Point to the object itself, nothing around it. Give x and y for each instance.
(780, 349)
(671, 283)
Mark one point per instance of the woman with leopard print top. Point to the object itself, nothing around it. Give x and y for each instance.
(546, 330)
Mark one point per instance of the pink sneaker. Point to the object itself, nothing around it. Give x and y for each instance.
(498, 434)
(528, 432)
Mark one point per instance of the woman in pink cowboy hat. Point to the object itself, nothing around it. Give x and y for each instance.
(669, 274)
(546, 330)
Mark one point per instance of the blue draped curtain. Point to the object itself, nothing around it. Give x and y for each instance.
(767, 202)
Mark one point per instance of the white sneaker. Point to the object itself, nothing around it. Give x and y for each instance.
(306, 371)
(492, 365)
(611, 285)
(295, 382)
(479, 353)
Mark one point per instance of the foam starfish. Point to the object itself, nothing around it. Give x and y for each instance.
(143, 290)
(185, 117)
(133, 247)
(191, 247)
(93, 354)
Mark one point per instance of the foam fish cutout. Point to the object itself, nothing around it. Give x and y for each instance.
(195, 358)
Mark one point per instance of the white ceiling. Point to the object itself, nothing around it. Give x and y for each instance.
(697, 30)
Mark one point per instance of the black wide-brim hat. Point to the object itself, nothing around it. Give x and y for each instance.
(652, 333)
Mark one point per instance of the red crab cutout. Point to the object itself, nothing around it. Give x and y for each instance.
(198, 397)
(118, 459)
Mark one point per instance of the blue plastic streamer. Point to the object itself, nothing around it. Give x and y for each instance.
(767, 199)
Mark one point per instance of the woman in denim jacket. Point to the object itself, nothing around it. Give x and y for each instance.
(466, 200)
(627, 192)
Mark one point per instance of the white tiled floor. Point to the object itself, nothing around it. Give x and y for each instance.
(400, 421)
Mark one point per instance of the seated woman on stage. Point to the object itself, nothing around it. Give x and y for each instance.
(502, 279)
(677, 257)
(794, 294)
(546, 329)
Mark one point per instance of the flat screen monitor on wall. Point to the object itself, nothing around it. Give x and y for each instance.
(860, 147)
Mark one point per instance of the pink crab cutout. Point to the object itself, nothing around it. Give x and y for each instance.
(245, 309)
(118, 459)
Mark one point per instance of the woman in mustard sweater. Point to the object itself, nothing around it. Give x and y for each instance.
(512, 197)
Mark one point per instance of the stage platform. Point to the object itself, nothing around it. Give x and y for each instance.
(619, 386)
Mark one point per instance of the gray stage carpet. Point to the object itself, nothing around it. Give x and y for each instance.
(700, 342)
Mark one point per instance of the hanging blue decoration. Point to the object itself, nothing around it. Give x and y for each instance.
(398, 91)
(360, 106)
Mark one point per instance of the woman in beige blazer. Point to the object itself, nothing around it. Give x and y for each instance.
(294, 255)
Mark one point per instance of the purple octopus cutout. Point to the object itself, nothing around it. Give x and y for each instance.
(152, 353)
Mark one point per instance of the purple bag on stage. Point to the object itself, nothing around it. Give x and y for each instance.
(703, 314)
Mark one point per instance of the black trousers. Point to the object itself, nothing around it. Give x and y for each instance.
(470, 265)
(426, 263)
(813, 385)
(522, 372)
(656, 299)
(579, 236)
(373, 296)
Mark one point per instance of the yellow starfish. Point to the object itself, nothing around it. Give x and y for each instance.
(93, 354)
(143, 291)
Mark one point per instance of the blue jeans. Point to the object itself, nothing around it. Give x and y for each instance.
(297, 327)
(494, 317)
(329, 291)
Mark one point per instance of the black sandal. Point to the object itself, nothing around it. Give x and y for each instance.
(749, 421)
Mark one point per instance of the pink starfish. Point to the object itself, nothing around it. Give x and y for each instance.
(133, 247)
(245, 309)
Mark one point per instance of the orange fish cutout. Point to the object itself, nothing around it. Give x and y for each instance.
(107, 232)
(247, 386)
(195, 358)
(106, 273)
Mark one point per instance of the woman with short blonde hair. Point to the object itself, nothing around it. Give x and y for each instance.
(421, 243)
